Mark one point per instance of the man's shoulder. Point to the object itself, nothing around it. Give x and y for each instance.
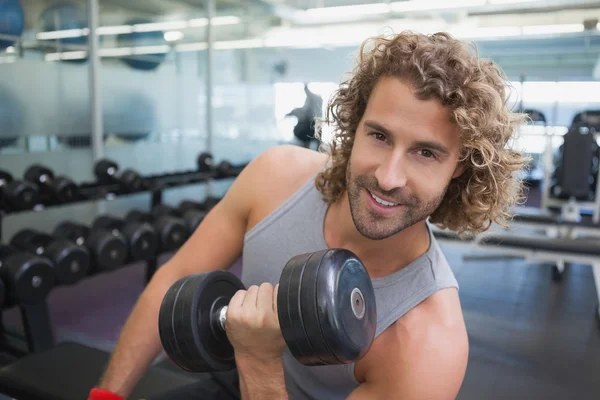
(278, 173)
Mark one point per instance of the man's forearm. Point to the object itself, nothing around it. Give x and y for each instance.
(139, 342)
(261, 380)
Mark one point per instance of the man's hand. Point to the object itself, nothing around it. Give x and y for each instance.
(253, 324)
(253, 330)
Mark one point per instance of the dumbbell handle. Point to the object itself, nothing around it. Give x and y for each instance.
(223, 317)
(357, 304)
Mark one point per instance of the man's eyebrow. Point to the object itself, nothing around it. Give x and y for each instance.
(422, 143)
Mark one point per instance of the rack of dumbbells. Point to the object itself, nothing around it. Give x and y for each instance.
(33, 262)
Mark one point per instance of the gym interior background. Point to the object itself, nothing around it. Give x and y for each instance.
(159, 85)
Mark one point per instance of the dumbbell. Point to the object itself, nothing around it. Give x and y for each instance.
(172, 231)
(326, 308)
(71, 262)
(205, 162)
(60, 189)
(207, 205)
(107, 248)
(225, 169)
(192, 217)
(141, 236)
(107, 171)
(17, 195)
(28, 278)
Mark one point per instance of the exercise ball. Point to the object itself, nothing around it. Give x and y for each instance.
(12, 21)
(66, 16)
(145, 62)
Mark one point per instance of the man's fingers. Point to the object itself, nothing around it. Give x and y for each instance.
(265, 297)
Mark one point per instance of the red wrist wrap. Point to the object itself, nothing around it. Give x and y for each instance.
(100, 394)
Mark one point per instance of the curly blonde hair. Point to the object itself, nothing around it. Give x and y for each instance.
(474, 90)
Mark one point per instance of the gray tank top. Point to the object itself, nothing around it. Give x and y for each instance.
(296, 227)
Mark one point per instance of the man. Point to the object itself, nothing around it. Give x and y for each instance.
(421, 134)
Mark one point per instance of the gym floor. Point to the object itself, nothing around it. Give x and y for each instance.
(530, 337)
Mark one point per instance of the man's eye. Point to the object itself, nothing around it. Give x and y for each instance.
(378, 136)
(427, 154)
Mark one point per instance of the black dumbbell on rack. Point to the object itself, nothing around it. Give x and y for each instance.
(71, 262)
(107, 172)
(107, 248)
(192, 217)
(58, 190)
(28, 278)
(226, 169)
(142, 237)
(205, 162)
(172, 231)
(206, 206)
(16, 195)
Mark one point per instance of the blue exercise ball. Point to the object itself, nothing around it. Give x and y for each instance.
(12, 21)
(65, 16)
(146, 62)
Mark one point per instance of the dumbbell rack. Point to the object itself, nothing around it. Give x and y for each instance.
(38, 327)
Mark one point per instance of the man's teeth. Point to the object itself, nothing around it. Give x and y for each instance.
(383, 202)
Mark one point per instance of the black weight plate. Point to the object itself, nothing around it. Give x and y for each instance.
(308, 300)
(71, 262)
(143, 240)
(109, 249)
(30, 278)
(193, 218)
(105, 170)
(173, 232)
(132, 181)
(185, 318)
(288, 309)
(348, 330)
(65, 189)
(205, 162)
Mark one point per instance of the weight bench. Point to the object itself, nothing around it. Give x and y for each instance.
(536, 249)
(554, 224)
(69, 371)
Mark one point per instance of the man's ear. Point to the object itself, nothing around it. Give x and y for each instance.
(458, 171)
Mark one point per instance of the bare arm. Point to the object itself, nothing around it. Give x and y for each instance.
(216, 244)
(427, 361)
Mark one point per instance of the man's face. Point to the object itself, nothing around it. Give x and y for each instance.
(405, 153)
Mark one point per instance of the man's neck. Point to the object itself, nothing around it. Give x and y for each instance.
(380, 257)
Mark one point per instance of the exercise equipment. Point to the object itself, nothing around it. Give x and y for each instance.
(577, 161)
(172, 231)
(16, 195)
(108, 248)
(27, 277)
(205, 162)
(12, 21)
(70, 17)
(147, 61)
(225, 169)
(533, 248)
(59, 189)
(326, 307)
(192, 217)
(71, 262)
(206, 205)
(107, 172)
(142, 238)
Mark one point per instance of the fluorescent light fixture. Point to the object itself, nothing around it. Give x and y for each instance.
(114, 30)
(161, 49)
(347, 11)
(430, 5)
(160, 26)
(64, 34)
(191, 47)
(116, 52)
(552, 29)
(512, 1)
(216, 21)
(173, 36)
(65, 55)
